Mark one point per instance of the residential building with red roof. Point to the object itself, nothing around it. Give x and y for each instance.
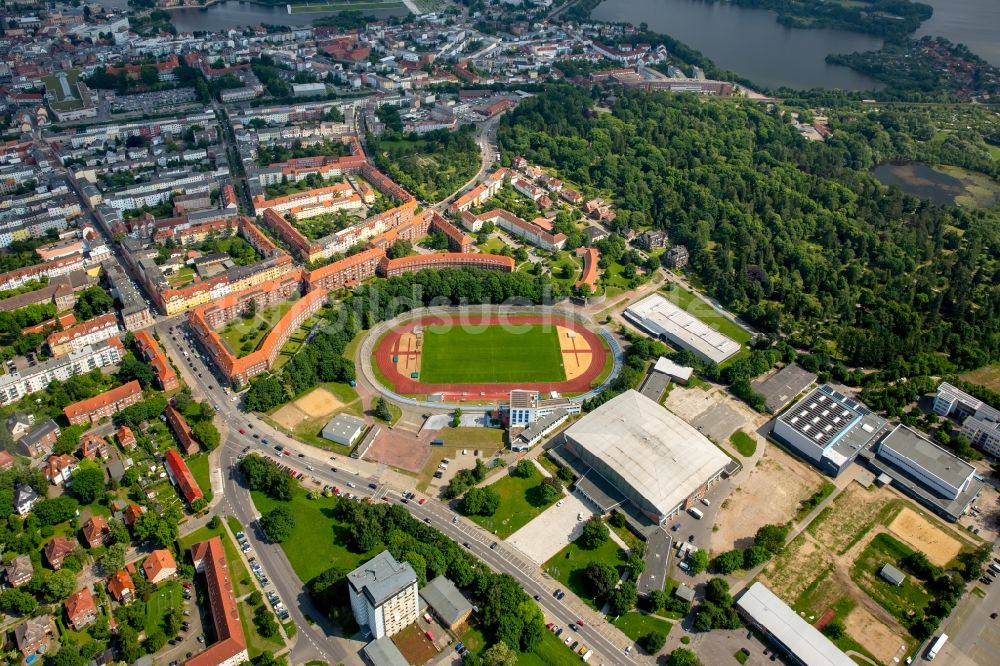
(95, 531)
(57, 549)
(77, 337)
(106, 404)
(438, 260)
(182, 431)
(525, 230)
(126, 438)
(59, 468)
(591, 257)
(166, 376)
(94, 447)
(121, 588)
(131, 514)
(159, 566)
(230, 646)
(81, 610)
(181, 476)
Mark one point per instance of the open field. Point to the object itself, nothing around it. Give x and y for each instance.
(903, 601)
(520, 502)
(830, 571)
(920, 533)
(243, 335)
(346, 6)
(166, 596)
(317, 404)
(988, 376)
(256, 644)
(198, 464)
(317, 542)
(569, 564)
(769, 494)
(495, 354)
(636, 624)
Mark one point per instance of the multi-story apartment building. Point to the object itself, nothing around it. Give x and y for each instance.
(82, 335)
(438, 260)
(383, 595)
(528, 231)
(14, 386)
(166, 376)
(230, 646)
(104, 405)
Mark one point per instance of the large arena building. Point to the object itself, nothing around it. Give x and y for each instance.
(665, 321)
(656, 461)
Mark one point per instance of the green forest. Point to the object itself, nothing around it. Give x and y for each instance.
(795, 236)
(432, 165)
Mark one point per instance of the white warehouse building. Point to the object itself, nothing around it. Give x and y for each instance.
(655, 460)
(665, 321)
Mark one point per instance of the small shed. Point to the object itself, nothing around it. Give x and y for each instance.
(684, 593)
(343, 429)
(892, 575)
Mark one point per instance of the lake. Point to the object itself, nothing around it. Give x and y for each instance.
(944, 185)
(232, 14)
(750, 42)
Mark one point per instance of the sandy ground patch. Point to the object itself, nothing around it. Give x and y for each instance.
(289, 416)
(854, 512)
(795, 569)
(877, 638)
(923, 535)
(769, 494)
(576, 352)
(318, 403)
(398, 449)
(408, 354)
(552, 529)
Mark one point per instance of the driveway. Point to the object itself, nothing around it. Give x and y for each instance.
(552, 529)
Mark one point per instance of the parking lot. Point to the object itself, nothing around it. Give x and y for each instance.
(553, 529)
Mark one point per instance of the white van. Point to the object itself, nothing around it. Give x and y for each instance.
(696, 513)
(706, 501)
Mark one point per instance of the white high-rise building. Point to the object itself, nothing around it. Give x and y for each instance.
(384, 595)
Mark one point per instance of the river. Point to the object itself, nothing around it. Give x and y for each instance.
(750, 42)
(233, 14)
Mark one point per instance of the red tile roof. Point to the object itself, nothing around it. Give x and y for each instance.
(225, 615)
(157, 561)
(119, 583)
(182, 476)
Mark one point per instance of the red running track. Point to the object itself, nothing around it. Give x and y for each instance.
(405, 385)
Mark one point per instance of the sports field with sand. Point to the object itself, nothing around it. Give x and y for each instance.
(317, 404)
(920, 534)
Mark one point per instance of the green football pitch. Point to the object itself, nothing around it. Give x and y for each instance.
(494, 355)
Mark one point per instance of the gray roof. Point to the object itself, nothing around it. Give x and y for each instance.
(780, 388)
(538, 428)
(660, 456)
(450, 605)
(796, 635)
(44, 428)
(32, 629)
(343, 426)
(384, 652)
(892, 574)
(381, 578)
(928, 456)
(684, 592)
(833, 422)
(24, 494)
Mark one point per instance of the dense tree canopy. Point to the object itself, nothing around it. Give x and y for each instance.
(794, 235)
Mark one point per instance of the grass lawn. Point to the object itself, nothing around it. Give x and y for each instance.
(903, 600)
(241, 577)
(167, 596)
(198, 464)
(317, 541)
(181, 278)
(467, 355)
(743, 443)
(568, 565)
(698, 307)
(520, 501)
(988, 376)
(635, 624)
(233, 333)
(550, 652)
(256, 644)
(492, 245)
